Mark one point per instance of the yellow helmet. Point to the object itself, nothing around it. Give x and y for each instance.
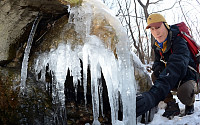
(155, 20)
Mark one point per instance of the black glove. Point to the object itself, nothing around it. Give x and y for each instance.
(144, 102)
(157, 70)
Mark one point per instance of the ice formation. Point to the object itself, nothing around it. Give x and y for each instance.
(26, 54)
(118, 72)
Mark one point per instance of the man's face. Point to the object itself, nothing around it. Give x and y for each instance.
(159, 33)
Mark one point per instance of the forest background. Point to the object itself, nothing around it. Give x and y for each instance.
(133, 15)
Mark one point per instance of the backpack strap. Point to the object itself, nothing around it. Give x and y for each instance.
(162, 57)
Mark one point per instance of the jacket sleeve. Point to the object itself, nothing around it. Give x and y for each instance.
(175, 70)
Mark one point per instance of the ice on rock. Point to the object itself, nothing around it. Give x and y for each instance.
(118, 72)
(26, 55)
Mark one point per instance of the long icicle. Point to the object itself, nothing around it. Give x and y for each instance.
(26, 54)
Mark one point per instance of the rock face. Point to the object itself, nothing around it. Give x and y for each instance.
(71, 2)
(15, 15)
(143, 79)
(33, 107)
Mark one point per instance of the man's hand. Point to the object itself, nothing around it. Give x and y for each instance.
(144, 102)
(157, 70)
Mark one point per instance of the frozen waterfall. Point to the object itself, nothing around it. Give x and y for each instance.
(118, 72)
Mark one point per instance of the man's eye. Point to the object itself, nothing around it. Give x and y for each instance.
(152, 28)
(157, 27)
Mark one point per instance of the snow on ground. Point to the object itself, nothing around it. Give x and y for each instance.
(193, 119)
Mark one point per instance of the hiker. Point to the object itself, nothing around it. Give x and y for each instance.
(172, 71)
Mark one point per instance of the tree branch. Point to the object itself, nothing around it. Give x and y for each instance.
(155, 2)
(167, 8)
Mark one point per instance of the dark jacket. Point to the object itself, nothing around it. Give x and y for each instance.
(176, 71)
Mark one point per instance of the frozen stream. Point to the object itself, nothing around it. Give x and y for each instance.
(118, 72)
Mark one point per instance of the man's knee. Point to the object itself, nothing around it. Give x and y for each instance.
(186, 92)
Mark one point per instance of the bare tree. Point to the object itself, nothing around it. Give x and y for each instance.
(134, 17)
(127, 18)
(191, 23)
(146, 14)
(198, 2)
(110, 3)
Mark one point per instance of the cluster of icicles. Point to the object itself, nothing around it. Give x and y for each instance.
(118, 73)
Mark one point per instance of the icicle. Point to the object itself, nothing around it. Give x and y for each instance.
(26, 54)
(85, 67)
(101, 95)
(95, 75)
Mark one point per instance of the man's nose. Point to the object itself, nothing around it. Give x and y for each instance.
(157, 32)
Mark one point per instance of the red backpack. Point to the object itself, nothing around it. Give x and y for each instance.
(192, 45)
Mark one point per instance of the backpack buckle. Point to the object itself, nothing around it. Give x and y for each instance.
(163, 61)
